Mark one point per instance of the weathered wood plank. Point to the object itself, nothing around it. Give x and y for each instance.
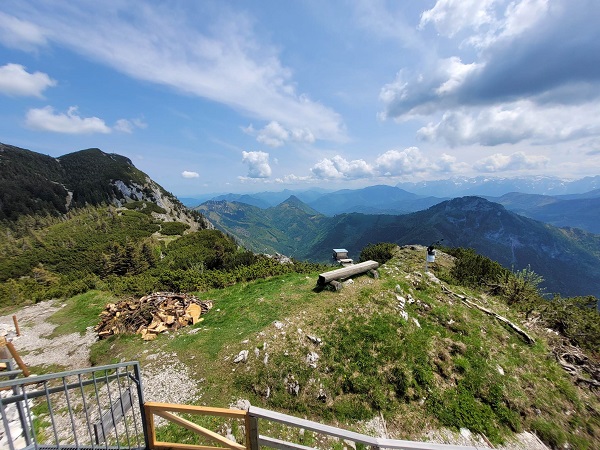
(346, 272)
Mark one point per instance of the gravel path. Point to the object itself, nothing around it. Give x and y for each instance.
(34, 346)
(72, 351)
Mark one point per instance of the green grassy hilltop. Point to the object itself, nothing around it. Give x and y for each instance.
(404, 347)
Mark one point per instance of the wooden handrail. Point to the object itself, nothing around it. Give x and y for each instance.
(254, 440)
(166, 410)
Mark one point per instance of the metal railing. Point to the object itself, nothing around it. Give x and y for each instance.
(103, 408)
(95, 408)
(253, 440)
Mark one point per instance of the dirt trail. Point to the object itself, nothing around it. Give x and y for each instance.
(71, 351)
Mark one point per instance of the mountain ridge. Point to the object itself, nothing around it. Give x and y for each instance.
(568, 260)
(32, 183)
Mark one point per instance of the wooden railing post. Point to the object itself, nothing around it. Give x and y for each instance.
(251, 432)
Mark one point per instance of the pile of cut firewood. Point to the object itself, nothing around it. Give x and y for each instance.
(151, 314)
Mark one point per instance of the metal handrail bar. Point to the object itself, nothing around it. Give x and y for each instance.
(54, 390)
(377, 443)
(52, 376)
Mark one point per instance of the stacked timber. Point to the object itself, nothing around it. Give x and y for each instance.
(151, 315)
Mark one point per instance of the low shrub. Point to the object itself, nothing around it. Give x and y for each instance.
(382, 252)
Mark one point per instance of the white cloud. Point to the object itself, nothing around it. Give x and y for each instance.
(402, 162)
(291, 178)
(455, 74)
(188, 174)
(46, 119)
(516, 161)
(225, 62)
(20, 34)
(428, 90)
(520, 16)
(513, 123)
(391, 164)
(258, 164)
(127, 126)
(447, 164)
(275, 135)
(533, 76)
(15, 80)
(338, 168)
(451, 16)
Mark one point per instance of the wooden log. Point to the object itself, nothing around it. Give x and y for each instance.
(346, 272)
(502, 319)
(13, 351)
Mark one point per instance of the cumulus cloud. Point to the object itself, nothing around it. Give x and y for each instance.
(20, 34)
(224, 62)
(426, 91)
(188, 174)
(516, 161)
(291, 178)
(258, 164)
(338, 168)
(15, 80)
(46, 119)
(448, 164)
(390, 164)
(451, 16)
(512, 123)
(546, 54)
(402, 162)
(275, 135)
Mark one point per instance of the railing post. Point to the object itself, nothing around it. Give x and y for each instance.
(251, 432)
(147, 422)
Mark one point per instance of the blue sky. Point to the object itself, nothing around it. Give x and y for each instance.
(220, 96)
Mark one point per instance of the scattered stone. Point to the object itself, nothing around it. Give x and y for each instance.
(240, 403)
(279, 325)
(322, 395)
(401, 301)
(312, 359)
(404, 315)
(314, 339)
(500, 369)
(415, 320)
(241, 357)
(292, 385)
(256, 352)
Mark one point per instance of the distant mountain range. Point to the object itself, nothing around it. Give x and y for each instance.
(569, 259)
(496, 186)
(576, 209)
(310, 224)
